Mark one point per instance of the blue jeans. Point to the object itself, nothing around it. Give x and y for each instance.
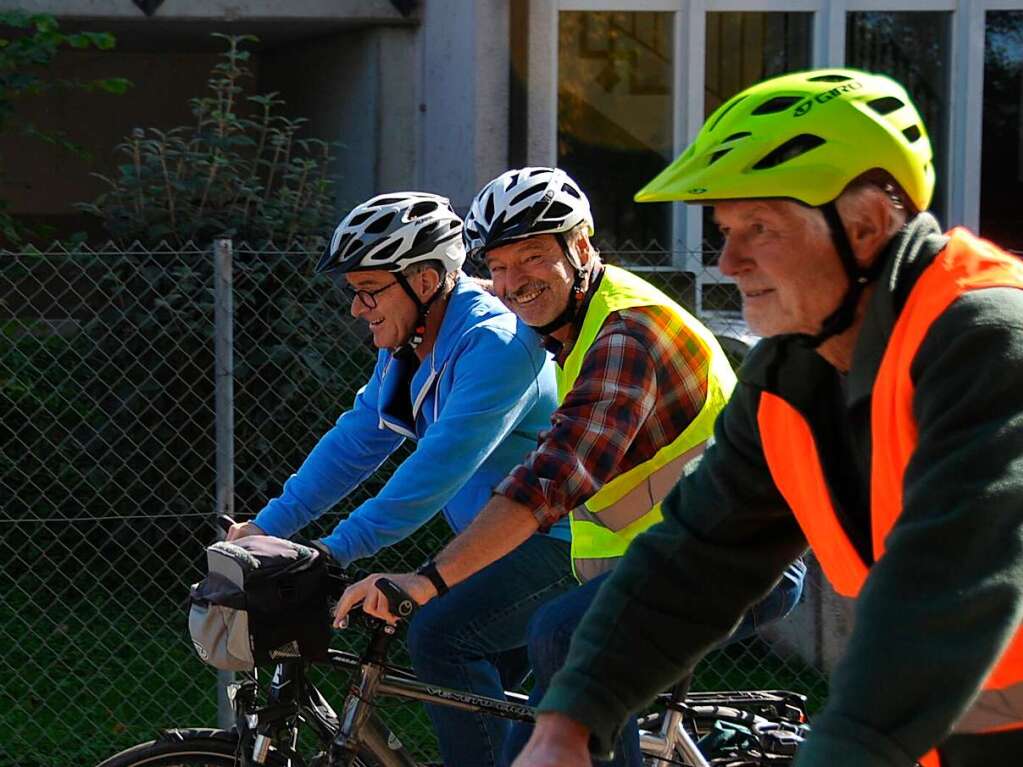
(467, 640)
(550, 633)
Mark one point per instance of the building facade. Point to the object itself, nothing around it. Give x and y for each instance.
(444, 94)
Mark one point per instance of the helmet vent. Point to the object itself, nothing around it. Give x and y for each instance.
(570, 189)
(514, 220)
(423, 237)
(791, 149)
(829, 78)
(912, 133)
(490, 207)
(422, 209)
(885, 105)
(735, 102)
(526, 193)
(777, 104)
(718, 155)
(380, 225)
(387, 251)
(557, 210)
(359, 218)
(737, 136)
(381, 202)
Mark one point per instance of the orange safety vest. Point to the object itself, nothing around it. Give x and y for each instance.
(966, 263)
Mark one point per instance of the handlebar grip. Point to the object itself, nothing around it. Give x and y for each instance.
(398, 602)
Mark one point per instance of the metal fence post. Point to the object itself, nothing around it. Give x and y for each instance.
(223, 345)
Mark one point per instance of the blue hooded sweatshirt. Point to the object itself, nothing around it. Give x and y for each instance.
(478, 402)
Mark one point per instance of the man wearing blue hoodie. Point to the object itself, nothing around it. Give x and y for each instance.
(460, 375)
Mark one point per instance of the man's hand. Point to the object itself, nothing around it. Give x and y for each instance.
(557, 741)
(375, 603)
(243, 529)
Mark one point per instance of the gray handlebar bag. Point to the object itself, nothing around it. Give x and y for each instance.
(264, 599)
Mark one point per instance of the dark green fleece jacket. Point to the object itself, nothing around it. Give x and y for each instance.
(936, 609)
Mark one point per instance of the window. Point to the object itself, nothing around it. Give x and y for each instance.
(912, 48)
(615, 117)
(744, 48)
(1001, 182)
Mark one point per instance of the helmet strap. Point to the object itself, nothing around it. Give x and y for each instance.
(859, 277)
(575, 297)
(423, 309)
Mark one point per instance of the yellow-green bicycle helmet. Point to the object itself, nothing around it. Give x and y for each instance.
(804, 136)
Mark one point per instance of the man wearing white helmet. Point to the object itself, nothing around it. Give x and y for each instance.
(640, 382)
(458, 374)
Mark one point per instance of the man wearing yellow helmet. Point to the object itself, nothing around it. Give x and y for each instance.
(880, 423)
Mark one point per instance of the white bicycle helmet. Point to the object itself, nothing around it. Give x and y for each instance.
(522, 203)
(391, 232)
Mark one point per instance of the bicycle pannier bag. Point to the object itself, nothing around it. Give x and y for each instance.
(264, 599)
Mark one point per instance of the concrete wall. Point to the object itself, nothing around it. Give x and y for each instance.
(374, 11)
(357, 88)
(464, 68)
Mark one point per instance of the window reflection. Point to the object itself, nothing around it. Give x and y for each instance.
(1001, 192)
(744, 48)
(615, 114)
(912, 48)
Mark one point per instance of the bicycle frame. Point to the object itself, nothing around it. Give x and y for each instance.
(293, 698)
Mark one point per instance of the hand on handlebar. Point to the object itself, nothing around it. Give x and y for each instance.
(243, 529)
(374, 602)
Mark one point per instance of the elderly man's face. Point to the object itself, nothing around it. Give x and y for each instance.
(784, 263)
(381, 303)
(533, 277)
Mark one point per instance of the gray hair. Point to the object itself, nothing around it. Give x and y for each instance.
(447, 279)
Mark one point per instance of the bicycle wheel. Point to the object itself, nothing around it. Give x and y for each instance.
(198, 748)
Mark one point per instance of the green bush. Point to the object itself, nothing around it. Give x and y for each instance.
(241, 170)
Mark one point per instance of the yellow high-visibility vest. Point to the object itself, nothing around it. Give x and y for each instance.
(603, 526)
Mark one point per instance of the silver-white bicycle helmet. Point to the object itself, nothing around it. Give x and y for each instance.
(391, 232)
(522, 203)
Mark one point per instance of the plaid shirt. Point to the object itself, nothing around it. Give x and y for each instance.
(641, 383)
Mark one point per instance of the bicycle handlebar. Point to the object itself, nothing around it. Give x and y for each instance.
(398, 602)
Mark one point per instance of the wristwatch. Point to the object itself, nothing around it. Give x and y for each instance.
(429, 570)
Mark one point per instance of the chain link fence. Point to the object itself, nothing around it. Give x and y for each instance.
(108, 476)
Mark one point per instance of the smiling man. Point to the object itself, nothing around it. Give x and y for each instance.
(640, 382)
(881, 422)
(459, 375)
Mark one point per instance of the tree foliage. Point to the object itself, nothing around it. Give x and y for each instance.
(241, 170)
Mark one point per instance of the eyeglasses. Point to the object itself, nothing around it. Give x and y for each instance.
(367, 297)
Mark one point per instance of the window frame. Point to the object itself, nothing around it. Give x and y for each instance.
(965, 98)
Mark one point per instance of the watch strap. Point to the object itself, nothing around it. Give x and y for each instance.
(429, 571)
